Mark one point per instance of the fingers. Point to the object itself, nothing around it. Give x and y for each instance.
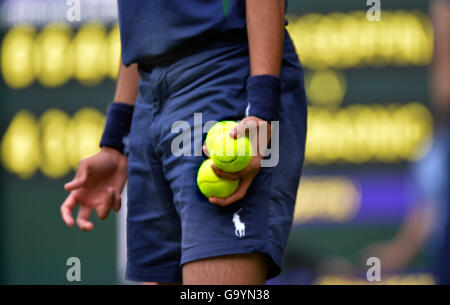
(251, 170)
(238, 195)
(67, 209)
(112, 200)
(103, 208)
(248, 125)
(80, 178)
(205, 151)
(239, 130)
(83, 218)
(246, 175)
(230, 176)
(117, 203)
(75, 183)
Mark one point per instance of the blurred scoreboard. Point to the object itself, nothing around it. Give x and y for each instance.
(369, 118)
(57, 78)
(369, 121)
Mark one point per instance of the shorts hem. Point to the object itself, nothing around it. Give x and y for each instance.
(154, 275)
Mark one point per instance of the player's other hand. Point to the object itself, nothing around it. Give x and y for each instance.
(97, 185)
(259, 133)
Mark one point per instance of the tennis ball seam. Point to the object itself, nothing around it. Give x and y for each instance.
(225, 161)
(213, 182)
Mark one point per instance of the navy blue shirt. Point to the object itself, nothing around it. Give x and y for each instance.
(152, 28)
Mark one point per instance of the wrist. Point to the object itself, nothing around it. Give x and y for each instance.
(117, 127)
(116, 158)
(263, 97)
(114, 153)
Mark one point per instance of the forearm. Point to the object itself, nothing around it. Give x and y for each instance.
(265, 30)
(440, 13)
(127, 84)
(119, 115)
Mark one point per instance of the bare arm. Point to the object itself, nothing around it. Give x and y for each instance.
(265, 29)
(100, 179)
(440, 13)
(127, 84)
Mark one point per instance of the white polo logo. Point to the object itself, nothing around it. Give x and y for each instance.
(239, 226)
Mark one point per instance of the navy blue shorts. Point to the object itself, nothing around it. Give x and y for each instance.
(169, 221)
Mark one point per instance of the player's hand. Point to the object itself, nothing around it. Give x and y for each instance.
(259, 133)
(97, 185)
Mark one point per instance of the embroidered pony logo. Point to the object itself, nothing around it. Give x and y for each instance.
(239, 226)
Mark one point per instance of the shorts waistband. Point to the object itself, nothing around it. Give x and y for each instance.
(193, 45)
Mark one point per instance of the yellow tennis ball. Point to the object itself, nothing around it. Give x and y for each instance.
(228, 154)
(212, 186)
(231, 155)
(215, 130)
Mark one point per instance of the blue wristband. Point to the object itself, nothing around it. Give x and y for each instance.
(117, 127)
(263, 97)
